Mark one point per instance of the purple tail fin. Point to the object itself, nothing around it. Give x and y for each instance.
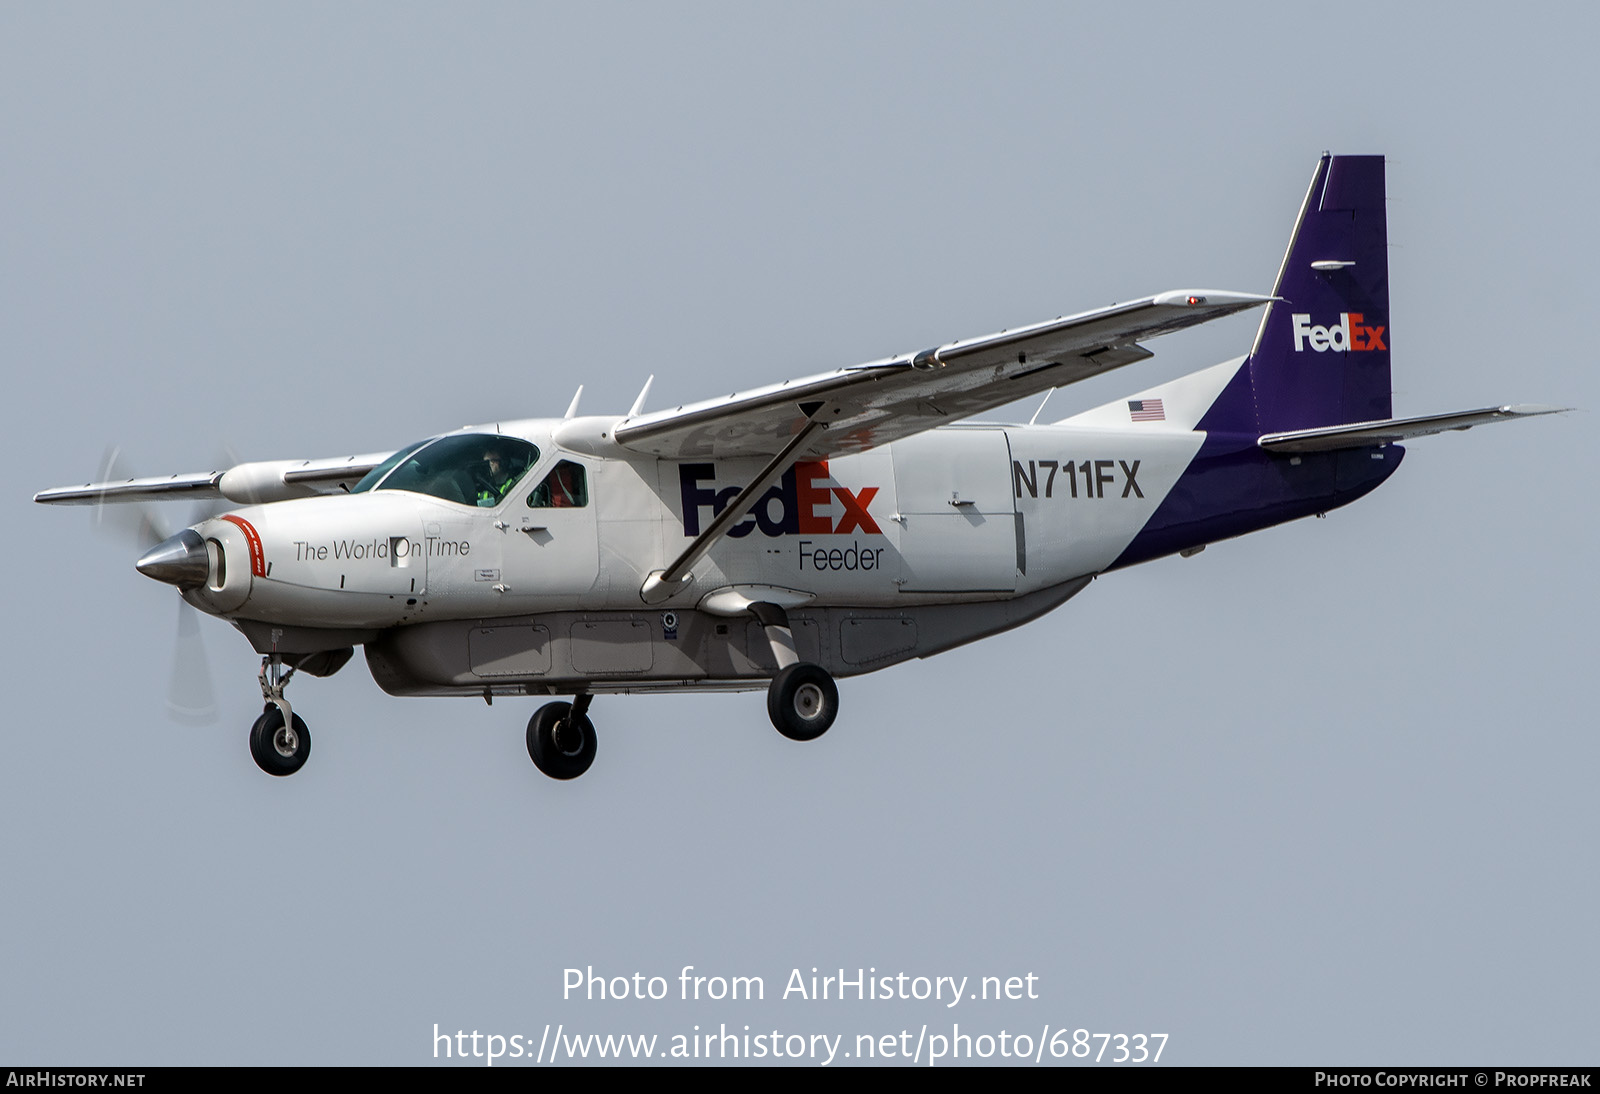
(1321, 356)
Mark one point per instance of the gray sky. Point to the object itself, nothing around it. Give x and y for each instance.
(1321, 795)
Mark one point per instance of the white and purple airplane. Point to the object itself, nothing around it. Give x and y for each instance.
(817, 528)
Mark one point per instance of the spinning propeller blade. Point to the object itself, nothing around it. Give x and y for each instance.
(139, 523)
(190, 696)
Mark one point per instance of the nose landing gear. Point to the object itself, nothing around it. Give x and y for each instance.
(561, 739)
(280, 743)
(279, 748)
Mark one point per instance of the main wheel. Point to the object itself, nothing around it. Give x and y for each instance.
(803, 701)
(279, 749)
(561, 744)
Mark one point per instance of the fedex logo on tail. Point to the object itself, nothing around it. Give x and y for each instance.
(1349, 333)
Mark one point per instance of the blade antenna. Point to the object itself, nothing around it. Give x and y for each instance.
(638, 404)
(572, 411)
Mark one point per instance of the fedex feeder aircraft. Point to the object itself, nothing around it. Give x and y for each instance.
(817, 528)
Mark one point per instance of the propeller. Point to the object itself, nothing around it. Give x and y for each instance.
(190, 696)
(137, 523)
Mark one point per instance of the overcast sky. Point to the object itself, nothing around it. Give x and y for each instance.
(1320, 795)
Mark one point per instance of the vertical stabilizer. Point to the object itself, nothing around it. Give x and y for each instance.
(1321, 356)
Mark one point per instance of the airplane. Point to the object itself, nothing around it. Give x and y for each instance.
(808, 530)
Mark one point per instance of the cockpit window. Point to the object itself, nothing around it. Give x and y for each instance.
(371, 478)
(468, 469)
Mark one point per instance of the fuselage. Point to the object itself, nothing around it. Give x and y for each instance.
(961, 514)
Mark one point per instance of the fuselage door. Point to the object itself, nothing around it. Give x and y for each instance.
(959, 533)
(551, 557)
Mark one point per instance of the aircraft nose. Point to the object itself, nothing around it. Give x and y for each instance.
(181, 560)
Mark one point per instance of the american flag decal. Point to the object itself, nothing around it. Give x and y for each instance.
(1146, 410)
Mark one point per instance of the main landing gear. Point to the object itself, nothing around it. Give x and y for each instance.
(280, 743)
(561, 738)
(802, 701)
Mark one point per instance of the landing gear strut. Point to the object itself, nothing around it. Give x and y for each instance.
(802, 700)
(561, 739)
(280, 743)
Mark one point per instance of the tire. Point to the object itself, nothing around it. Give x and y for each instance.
(803, 702)
(563, 758)
(277, 752)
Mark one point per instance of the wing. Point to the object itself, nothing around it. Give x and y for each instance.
(245, 483)
(872, 404)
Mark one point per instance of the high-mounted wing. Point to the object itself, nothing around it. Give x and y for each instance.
(868, 405)
(853, 409)
(244, 484)
(198, 484)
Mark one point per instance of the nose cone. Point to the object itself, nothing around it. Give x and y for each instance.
(182, 560)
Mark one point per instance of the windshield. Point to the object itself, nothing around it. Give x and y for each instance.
(371, 478)
(468, 469)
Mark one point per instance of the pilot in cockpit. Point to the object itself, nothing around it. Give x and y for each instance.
(494, 479)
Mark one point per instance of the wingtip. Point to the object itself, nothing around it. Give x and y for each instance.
(1212, 298)
(1533, 410)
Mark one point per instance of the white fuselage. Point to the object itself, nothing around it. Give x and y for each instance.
(963, 513)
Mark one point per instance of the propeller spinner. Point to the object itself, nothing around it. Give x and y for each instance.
(180, 560)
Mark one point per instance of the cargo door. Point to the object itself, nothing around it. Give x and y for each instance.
(958, 518)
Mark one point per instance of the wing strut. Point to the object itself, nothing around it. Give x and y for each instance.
(663, 584)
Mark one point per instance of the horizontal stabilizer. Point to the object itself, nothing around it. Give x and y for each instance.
(1362, 434)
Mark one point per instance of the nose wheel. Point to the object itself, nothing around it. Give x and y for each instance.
(279, 748)
(280, 743)
(561, 739)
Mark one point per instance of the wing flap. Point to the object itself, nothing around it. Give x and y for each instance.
(340, 472)
(1362, 434)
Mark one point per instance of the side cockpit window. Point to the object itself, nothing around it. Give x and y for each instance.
(469, 469)
(566, 487)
